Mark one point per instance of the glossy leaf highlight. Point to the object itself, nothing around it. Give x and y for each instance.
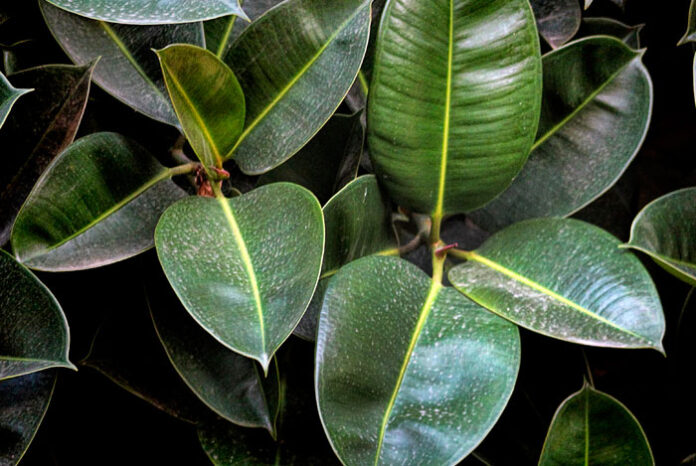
(8, 96)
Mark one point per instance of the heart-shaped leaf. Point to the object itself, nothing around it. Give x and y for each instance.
(23, 404)
(8, 96)
(291, 95)
(245, 268)
(408, 369)
(96, 204)
(557, 21)
(690, 34)
(42, 125)
(629, 35)
(589, 132)
(565, 279)
(226, 382)
(358, 224)
(591, 427)
(454, 101)
(666, 231)
(207, 99)
(127, 68)
(151, 11)
(34, 334)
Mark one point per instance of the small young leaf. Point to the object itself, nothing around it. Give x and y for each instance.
(207, 99)
(591, 427)
(34, 334)
(666, 231)
(558, 21)
(565, 279)
(8, 97)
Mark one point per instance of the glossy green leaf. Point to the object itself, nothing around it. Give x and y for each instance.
(229, 384)
(96, 204)
(589, 132)
(558, 21)
(34, 334)
(207, 99)
(454, 101)
(666, 231)
(127, 68)
(291, 95)
(245, 268)
(358, 224)
(8, 96)
(407, 369)
(23, 404)
(42, 124)
(690, 34)
(630, 35)
(151, 11)
(328, 162)
(591, 427)
(565, 279)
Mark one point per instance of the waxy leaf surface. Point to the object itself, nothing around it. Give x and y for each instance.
(8, 96)
(566, 279)
(34, 334)
(591, 427)
(666, 231)
(629, 35)
(290, 96)
(557, 20)
(207, 99)
(593, 123)
(454, 100)
(407, 369)
(127, 67)
(96, 204)
(245, 268)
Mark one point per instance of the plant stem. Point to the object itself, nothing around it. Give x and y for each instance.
(461, 254)
(588, 368)
(177, 150)
(363, 83)
(184, 169)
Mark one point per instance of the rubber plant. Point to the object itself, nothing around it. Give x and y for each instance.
(316, 147)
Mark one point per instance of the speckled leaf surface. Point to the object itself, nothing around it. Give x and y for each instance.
(34, 334)
(245, 268)
(358, 224)
(690, 34)
(630, 35)
(566, 279)
(42, 124)
(23, 404)
(207, 99)
(146, 12)
(8, 97)
(231, 385)
(407, 370)
(291, 95)
(454, 100)
(591, 427)
(593, 123)
(557, 20)
(127, 67)
(666, 231)
(96, 204)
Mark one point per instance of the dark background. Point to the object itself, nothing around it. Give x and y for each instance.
(94, 421)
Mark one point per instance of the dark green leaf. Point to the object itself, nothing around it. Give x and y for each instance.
(589, 132)
(566, 279)
(295, 64)
(245, 268)
(591, 427)
(34, 334)
(690, 34)
(96, 204)
(666, 231)
(127, 68)
(8, 96)
(557, 21)
(408, 370)
(207, 99)
(42, 125)
(630, 35)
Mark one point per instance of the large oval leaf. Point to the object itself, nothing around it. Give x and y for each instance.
(23, 404)
(454, 101)
(96, 204)
(557, 21)
(591, 427)
(407, 369)
(245, 268)
(291, 95)
(207, 99)
(34, 334)
(666, 231)
(593, 123)
(151, 11)
(127, 68)
(42, 125)
(8, 97)
(566, 279)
